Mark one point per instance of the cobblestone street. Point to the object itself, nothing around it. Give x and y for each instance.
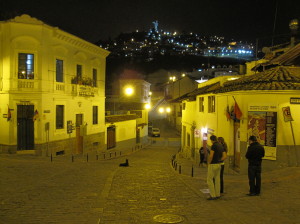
(36, 190)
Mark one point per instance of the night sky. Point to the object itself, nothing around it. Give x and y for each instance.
(101, 19)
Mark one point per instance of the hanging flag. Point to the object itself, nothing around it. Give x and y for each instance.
(36, 115)
(8, 113)
(237, 111)
(228, 113)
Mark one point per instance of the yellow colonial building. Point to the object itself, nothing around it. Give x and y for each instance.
(266, 104)
(52, 89)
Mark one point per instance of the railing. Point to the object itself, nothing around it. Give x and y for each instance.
(60, 87)
(26, 84)
(85, 91)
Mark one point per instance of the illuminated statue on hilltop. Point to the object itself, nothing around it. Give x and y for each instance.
(155, 23)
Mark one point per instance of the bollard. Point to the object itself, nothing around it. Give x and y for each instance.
(192, 171)
(51, 158)
(103, 155)
(87, 157)
(110, 154)
(179, 169)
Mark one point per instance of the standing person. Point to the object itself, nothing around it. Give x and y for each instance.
(202, 156)
(254, 154)
(223, 143)
(216, 155)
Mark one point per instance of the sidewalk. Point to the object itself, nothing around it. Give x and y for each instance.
(277, 186)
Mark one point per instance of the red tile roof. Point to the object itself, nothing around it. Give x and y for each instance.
(279, 78)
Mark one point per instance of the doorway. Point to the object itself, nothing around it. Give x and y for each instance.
(79, 136)
(111, 137)
(138, 136)
(25, 127)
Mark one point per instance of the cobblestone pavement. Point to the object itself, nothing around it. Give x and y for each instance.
(35, 190)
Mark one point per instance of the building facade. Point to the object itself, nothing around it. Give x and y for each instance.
(265, 104)
(52, 89)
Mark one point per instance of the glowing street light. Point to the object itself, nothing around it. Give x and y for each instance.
(168, 109)
(147, 106)
(173, 78)
(161, 110)
(129, 91)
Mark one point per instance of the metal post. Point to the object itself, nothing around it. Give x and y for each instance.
(293, 133)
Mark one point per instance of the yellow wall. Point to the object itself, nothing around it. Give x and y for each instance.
(125, 130)
(29, 35)
(218, 124)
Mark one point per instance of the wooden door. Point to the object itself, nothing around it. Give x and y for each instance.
(79, 137)
(25, 129)
(111, 137)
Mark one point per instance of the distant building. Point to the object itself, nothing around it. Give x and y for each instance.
(175, 90)
(51, 90)
(126, 110)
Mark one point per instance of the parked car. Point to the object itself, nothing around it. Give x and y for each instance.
(155, 132)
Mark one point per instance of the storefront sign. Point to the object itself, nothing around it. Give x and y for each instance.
(294, 100)
(263, 107)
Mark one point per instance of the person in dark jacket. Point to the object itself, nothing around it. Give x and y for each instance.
(254, 154)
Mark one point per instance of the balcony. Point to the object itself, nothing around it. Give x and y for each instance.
(27, 84)
(59, 86)
(85, 91)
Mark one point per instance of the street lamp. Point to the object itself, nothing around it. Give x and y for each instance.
(147, 106)
(164, 110)
(161, 110)
(128, 91)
